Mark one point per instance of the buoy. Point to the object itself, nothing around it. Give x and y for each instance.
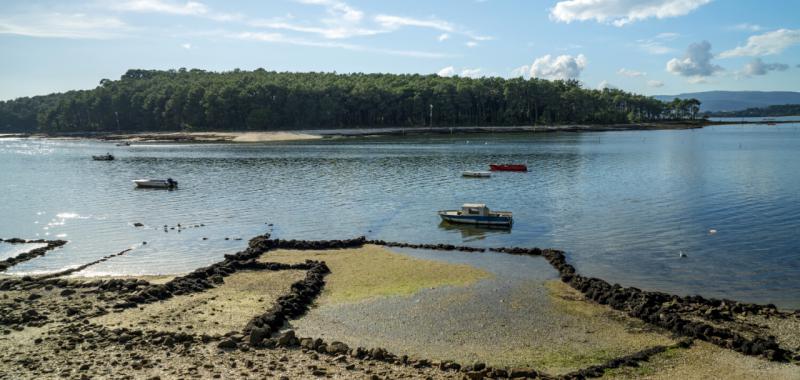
(681, 254)
(712, 231)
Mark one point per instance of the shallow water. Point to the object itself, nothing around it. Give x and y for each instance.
(622, 204)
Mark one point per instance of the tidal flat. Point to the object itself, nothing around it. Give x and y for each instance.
(372, 309)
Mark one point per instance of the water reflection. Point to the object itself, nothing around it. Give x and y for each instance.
(471, 233)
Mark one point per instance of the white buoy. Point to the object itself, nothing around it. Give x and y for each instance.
(712, 231)
(681, 254)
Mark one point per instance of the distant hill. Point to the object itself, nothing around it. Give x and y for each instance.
(715, 101)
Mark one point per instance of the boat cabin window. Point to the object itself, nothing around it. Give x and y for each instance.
(473, 211)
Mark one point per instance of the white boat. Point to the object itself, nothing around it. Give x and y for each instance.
(476, 174)
(479, 214)
(168, 183)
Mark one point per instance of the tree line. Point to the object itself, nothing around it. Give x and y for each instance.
(771, 111)
(199, 100)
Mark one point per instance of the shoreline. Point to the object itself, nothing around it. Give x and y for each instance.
(317, 134)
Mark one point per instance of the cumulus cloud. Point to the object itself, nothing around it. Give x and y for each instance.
(630, 73)
(443, 37)
(695, 63)
(561, 67)
(522, 71)
(655, 83)
(447, 71)
(765, 44)
(758, 67)
(621, 12)
(472, 73)
(450, 71)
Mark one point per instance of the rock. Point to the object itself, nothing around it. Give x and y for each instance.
(227, 344)
(67, 292)
(286, 338)
(340, 358)
(337, 348)
(257, 335)
(319, 372)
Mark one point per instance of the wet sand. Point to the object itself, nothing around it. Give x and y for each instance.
(531, 321)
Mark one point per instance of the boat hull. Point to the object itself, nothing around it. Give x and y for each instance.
(473, 174)
(155, 184)
(505, 221)
(508, 168)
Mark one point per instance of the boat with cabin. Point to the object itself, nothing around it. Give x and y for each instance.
(508, 167)
(478, 214)
(168, 183)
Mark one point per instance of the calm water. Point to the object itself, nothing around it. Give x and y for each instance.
(622, 204)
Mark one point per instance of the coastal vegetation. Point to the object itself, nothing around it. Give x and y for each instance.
(771, 111)
(260, 100)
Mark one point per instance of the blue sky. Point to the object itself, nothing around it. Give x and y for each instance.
(645, 46)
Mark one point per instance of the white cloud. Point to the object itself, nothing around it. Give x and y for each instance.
(450, 71)
(447, 71)
(655, 83)
(621, 12)
(765, 44)
(186, 46)
(443, 37)
(188, 8)
(695, 63)
(58, 25)
(656, 45)
(747, 26)
(394, 22)
(389, 22)
(631, 73)
(522, 71)
(280, 38)
(472, 73)
(561, 67)
(758, 67)
(471, 44)
(159, 6)
(604, 84)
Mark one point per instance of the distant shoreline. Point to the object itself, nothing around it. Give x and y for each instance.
(313, 134)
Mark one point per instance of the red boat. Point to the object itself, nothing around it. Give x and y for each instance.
(509, 167)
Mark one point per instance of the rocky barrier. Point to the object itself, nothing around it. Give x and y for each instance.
(10, 262)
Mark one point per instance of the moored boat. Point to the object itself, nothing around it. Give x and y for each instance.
(509, 167)
(104, 157)
(476, 174)
(478, 214)
(168, 183)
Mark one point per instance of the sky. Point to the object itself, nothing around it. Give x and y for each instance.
(645, 46)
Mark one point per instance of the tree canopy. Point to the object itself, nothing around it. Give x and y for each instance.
(198, 100)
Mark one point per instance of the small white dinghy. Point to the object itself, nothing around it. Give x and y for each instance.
(476, 174)
(168, 183)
